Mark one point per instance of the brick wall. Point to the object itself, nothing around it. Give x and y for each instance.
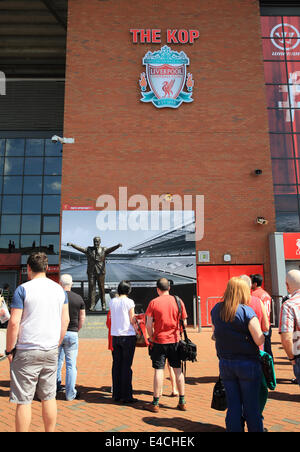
(210, 147)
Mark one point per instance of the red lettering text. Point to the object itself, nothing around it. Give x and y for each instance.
(183, 36)
(171, 37)
(194, 34)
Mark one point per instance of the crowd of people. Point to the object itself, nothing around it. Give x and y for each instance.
(46, 317)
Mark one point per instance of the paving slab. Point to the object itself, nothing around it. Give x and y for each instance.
(97, 412)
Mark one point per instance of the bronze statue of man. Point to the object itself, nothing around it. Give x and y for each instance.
(96, 257)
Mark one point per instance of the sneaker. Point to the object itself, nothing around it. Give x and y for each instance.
(152, 408)
(181, 406)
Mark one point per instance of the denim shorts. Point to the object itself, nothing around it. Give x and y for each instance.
(33, 371)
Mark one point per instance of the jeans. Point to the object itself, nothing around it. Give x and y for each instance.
(268, 344)
(242, 381)
(68, 349)
(297, 370)
(123, 352)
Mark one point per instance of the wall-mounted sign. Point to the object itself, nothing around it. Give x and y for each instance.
(203, 256)
(291, 243)
(153, 36)
(167, 77)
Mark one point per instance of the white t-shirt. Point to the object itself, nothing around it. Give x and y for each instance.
(120, 321)
(41, 300)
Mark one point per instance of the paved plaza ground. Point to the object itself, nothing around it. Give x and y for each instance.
(96, 412)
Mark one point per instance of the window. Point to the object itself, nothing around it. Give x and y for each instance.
(30, 185)
(281, 52)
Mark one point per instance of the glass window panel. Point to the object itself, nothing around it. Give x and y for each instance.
(297, 145)
(53, 166)
(51, 224)
(51, 242)
(1, 165)
(271, 52)
(277, 96)
(11, 204)
(12, 185)
(287, 222)
(2, 146)
(268, 23)
(33, 165)
(51, 204)
(286, 203)
(13, 165)
(285, 189)
(6, 241)
(52, 184)
(15, 147)
(275, 72)
(295, 115)
(281, 145)
(34, 147)
(291, 27)
(32, 185)
(280, 121)
(31, 224)
(30, 241)
(53, 149)
(10, 224)
(283, 171)
(32, 204)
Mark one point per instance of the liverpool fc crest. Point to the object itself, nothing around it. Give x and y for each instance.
(166, 76)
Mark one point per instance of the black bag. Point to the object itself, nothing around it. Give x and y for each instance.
(186, 348)
(219, 401)
(268, 370)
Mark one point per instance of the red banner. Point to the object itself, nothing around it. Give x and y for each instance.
(291, 243)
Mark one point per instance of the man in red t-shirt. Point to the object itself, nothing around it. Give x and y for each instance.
(164, 333)
(259, 292)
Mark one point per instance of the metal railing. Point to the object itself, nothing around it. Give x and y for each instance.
(275, 309)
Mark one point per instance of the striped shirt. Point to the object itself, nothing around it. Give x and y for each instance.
(290, 320)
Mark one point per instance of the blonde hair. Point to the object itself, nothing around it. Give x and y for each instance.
(237, 292)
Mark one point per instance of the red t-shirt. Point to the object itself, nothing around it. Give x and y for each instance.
(255, 304)
(165, 314)
(265, 298)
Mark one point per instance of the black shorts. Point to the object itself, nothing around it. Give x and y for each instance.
(161, 352)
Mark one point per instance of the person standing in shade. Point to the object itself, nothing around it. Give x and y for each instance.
(123, 343)
(38, 324)
(69, 346)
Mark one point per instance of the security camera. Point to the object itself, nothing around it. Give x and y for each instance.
(261, 220)
(55, 139)
(258, 172)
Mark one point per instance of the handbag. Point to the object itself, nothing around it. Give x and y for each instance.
(219, 401)
(268, 370)
(4, 313)
(141, 333)
(186, 348)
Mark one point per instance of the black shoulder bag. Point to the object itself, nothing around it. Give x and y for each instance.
(186, 348)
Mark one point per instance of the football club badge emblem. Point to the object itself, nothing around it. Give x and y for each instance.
(167, 77)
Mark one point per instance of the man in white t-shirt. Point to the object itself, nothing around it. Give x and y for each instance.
(123, 342)
(38, 324)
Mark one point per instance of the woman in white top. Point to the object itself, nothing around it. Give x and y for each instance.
(123, 342)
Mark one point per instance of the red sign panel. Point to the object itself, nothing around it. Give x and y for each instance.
(291, 243)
